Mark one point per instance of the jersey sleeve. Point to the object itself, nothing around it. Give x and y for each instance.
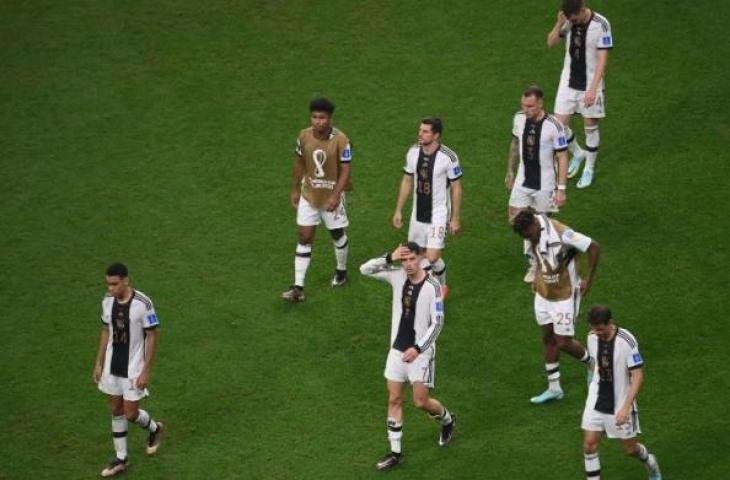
(605, 41)
(515, 127)
(150, 317)
(411, 159)
(575, 239)
(454, 172)
(565, 29)
(560, 143)
(346, 155)
(105, 317)
(437, 318)
(634, 359)
(379, 269)
(298, 147)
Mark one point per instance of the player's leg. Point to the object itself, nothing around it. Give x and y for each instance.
(593, 139)
(591, 441)
(119, 437)
(633, 448)
(422, 399)
(308, 218)
(551, 353)
(142, 418)
(438, 267)
(394, 425)
(566, 104)
(337, 222)
(563, 314)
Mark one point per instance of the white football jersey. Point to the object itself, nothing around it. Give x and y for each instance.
(428, 312)
(626, 357)
(127, 325)
(538, 142)
(581, 51)
(432, 175)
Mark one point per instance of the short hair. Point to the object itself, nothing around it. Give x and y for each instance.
(533, 91)
(117, 270)
(523, 221)
(599, 315)
(414, 247)
(321, 104)
(571, 7)
(437, 126)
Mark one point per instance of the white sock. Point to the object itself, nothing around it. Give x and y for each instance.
(342, 246)
(586, 357)
(145, 421)
(119, 434)
(395, 434)
(593, 466)
(301, 263)
(643, 453)
(553, 375)
(438, 268)
(573, 145)
(445, 417)
(593, 139)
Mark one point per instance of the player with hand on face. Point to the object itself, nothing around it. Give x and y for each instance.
(417, 320)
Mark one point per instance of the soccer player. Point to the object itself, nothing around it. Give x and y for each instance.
(418, 317)
(537, 138)
(558, 290)
(437, 183)
(581, 87)
(320, 178)
(127, 347)
(611, 403)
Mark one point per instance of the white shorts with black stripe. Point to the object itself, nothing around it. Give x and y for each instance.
(422, 369)
(562, 314)
(595, 421)
(121, 387)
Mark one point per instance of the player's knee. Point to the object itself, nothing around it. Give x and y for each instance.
(395, 400)
(337, 233)
(590, 446)
(563, 341)
(131, 412)
(420, 401)
(631, 449)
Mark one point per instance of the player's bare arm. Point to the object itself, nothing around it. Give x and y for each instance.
(457, 193)
(100, 354)
(594, 251)
(296, 181)
(342, 179)
(553, 37)
(406, 187)
(637, 378)
(512, 160)
(560, 195)
(149, 355)
(590, 95)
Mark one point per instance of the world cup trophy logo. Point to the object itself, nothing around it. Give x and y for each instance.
(319, 157)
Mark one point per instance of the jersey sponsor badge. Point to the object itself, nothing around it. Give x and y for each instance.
(569, 234)
(152, 320)
(637, 358)
(439, 306)
(347, 154)
(562, 141)
(457, 170)
(606, 41)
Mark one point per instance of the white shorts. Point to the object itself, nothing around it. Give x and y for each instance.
(427, 235)
(570, 101)
(308, 216)
(562, 314)
(539, 200)
(121, 387)
(422, 369)
(595, 421)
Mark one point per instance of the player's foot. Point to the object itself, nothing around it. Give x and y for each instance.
(574, 164)
(389, 461)
(340, 278)
(447, 431)
(444, 292)
(547, 396)
(294, 294)
(586, 179)
(652, 467)
(116, 466)
(153, 441)
(530, 274)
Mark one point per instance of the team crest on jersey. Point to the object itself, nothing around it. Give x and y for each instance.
(319, 157)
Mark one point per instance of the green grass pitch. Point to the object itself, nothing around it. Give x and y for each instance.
(161, 134)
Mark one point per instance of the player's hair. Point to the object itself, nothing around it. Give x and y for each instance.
(571, 7)
(522, 221)
(117, 270)
(533, 91)
(599, 315)
(321, 104)
(414, 247)
(437, 126)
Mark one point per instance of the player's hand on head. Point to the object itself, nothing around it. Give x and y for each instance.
(561, 18)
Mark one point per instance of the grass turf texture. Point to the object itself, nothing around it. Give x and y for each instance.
(161, 134)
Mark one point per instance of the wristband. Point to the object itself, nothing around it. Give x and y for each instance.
(561, 187)
(418, 349)
(388, 258)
